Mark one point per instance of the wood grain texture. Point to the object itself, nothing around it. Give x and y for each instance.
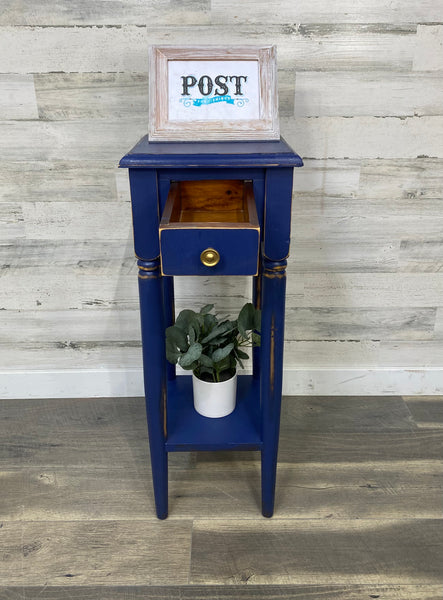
(242, 592)
(321, 552)
(428, 54)
(17, 97)
(417, 179)
(421, 256)
(343, 11)
(342, 93)
(93, 256)
(115, 552)
(101, 12)
(344, 256)
(361, 137)
(124, 48)
(77, 220)
(67, 96)
(365, 353)
(54, 180)
(368, 289)
(427, 411)
(361, 324)
(67, 140)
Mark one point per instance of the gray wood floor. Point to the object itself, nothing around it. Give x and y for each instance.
(359, 506)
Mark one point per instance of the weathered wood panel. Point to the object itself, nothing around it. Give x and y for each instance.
(17, 97)
(103, 12)
(325, 178)
(364, 354)
(69, 355)
(369, 290)
(427, 411)
(339, 93)
(67, 96)
(11, 221)
(95, 256)
(439, 323)
(123, 552)
(347, 414)
(124, 48)
(365, 137)
(372, 229)
(353, 324)
(242, 592)
(342, 11)
(428, 54)
(95, 140)
(343, 256)
(321, 552)
(421, 256)
(36, 287)
(67, 326)
(304, 491)
(77, 220)
(31, 180)
(415, 179)
(67, 432)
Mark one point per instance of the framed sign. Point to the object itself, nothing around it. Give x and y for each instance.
(212, 93)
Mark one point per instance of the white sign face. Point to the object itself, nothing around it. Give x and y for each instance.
(213, 90)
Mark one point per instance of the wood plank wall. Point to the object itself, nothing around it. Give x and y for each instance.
(361, 99)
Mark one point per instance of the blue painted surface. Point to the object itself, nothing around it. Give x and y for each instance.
(145, 212)
(154, 372)
(272, 341)
(254, 425)
(277, 228)
(181, 249)
(192, 155)
(187, 430)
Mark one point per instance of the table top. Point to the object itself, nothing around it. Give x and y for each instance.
(147, 154)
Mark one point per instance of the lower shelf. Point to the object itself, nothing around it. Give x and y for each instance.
(187, 430)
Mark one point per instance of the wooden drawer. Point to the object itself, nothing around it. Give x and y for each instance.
(210, 227)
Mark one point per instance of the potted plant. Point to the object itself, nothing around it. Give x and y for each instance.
(211, 346)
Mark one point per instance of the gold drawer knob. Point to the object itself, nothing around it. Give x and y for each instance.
(210, 257)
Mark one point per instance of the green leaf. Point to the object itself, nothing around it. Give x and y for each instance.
(246, 319)
(178, 337)
(191, 355)
(206, 309)
(224, 328)
(242, 354)
(256, 339)
(172, 354)
(190, 367)
(222, 353)
(206, 361)
(192, 336)
(184, 319)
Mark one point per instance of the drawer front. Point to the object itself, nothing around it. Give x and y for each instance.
(236, 251)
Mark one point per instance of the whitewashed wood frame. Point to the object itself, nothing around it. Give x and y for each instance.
(162, 128)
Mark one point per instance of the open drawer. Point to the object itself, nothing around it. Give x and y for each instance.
(210, 227)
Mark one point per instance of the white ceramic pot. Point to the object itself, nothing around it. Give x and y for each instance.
(214, 399)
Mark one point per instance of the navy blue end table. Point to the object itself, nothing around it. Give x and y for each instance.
(259, 175)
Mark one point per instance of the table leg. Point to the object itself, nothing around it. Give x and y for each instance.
(169, 313)
(154, 368)
(272, 341)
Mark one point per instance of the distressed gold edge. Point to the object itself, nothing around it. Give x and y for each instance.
(209, 225)
(272, 357)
